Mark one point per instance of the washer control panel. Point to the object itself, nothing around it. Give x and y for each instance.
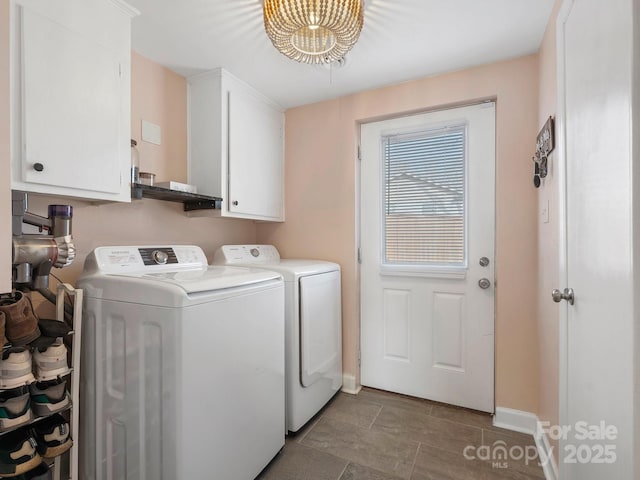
(129, 259)
(158, 255)
(246, 254)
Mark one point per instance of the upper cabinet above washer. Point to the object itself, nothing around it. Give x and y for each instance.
(70, 98)
(236, 146)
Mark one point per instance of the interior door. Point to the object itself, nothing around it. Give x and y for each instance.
(427, 255)
(596, 351)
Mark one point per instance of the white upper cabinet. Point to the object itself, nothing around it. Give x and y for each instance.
(70, 98)
(236, 146)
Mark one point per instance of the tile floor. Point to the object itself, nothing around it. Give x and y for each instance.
(377, 435)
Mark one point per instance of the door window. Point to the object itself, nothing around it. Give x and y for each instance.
(424, 214)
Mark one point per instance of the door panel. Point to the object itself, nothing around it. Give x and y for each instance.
(427, 217)
(597, 352)
(320, 326)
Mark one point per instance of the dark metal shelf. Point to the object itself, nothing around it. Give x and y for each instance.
(191, 201)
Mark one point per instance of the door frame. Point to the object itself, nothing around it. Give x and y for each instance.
(355, 385)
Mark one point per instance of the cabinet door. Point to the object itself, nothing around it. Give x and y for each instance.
(70, 72)
(255, 157)
(71, 91)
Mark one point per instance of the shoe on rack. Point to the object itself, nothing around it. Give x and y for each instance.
(3, 339)
(53, 328)
(18, 453)
(41, 472)
(51, 362)
(21, 326)
(52, 436)
(49, 396)
(15, 367)
(14, 407)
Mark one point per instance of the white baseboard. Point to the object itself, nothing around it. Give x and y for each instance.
(549, 466)
(516, 420)
(349, 384)
(526, 422)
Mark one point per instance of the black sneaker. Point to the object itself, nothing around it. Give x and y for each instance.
(49, 397)
(52, 436)
(18, 453)
(14, 407)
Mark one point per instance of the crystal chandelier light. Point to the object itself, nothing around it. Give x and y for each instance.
(314, 31)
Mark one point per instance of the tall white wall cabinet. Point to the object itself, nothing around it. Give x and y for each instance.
(70, 97)
(236, 146)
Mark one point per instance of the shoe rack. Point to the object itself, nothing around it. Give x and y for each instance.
(74, 381)
(66, 465)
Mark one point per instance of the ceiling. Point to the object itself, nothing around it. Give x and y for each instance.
(401, 40)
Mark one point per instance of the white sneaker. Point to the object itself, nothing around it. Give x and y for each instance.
(51, 363)
(15, 368)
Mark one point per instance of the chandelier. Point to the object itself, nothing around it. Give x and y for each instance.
(314, 31)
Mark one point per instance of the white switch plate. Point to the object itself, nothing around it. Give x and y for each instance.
(151, 132)
(545, 213)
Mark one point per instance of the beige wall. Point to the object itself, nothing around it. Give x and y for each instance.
(158, 95)
(321, 201)
(5, 189)
(548, 238)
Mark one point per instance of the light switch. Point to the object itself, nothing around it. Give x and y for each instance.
(545, 212)
(151, 132)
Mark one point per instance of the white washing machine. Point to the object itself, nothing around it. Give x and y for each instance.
(313, 326)
(183, 366)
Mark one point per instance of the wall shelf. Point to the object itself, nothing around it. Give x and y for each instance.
(191, 201)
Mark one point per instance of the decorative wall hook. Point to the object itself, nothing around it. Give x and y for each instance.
(545, 143)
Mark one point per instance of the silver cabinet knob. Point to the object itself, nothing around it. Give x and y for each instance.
(484, 283)
(567, 295)
(484, 262)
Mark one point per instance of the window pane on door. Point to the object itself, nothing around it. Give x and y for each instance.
(424, 203)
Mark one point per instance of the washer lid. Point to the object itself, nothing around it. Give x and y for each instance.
(125, 271)
(209, 279)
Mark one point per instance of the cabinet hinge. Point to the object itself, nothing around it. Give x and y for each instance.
(359, 255)
(359, 153)
(359, 357)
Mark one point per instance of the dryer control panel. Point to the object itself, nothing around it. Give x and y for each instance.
(246, 254)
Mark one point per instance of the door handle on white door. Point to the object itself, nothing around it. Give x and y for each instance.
(484, 283)
(567, 295)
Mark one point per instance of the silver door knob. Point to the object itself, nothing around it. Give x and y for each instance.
(484, 283)
(484, 261)
(567, 295)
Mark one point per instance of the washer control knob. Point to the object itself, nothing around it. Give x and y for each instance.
(160, 257)
(255, 252)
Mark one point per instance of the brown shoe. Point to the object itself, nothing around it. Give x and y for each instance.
(3, 339)
(21, 326)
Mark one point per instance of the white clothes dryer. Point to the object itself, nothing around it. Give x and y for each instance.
(183, 366)
(313, 326)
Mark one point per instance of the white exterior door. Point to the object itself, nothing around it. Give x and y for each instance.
(427, 240)
(595, 40)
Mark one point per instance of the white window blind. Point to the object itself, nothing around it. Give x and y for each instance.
(424, 203)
